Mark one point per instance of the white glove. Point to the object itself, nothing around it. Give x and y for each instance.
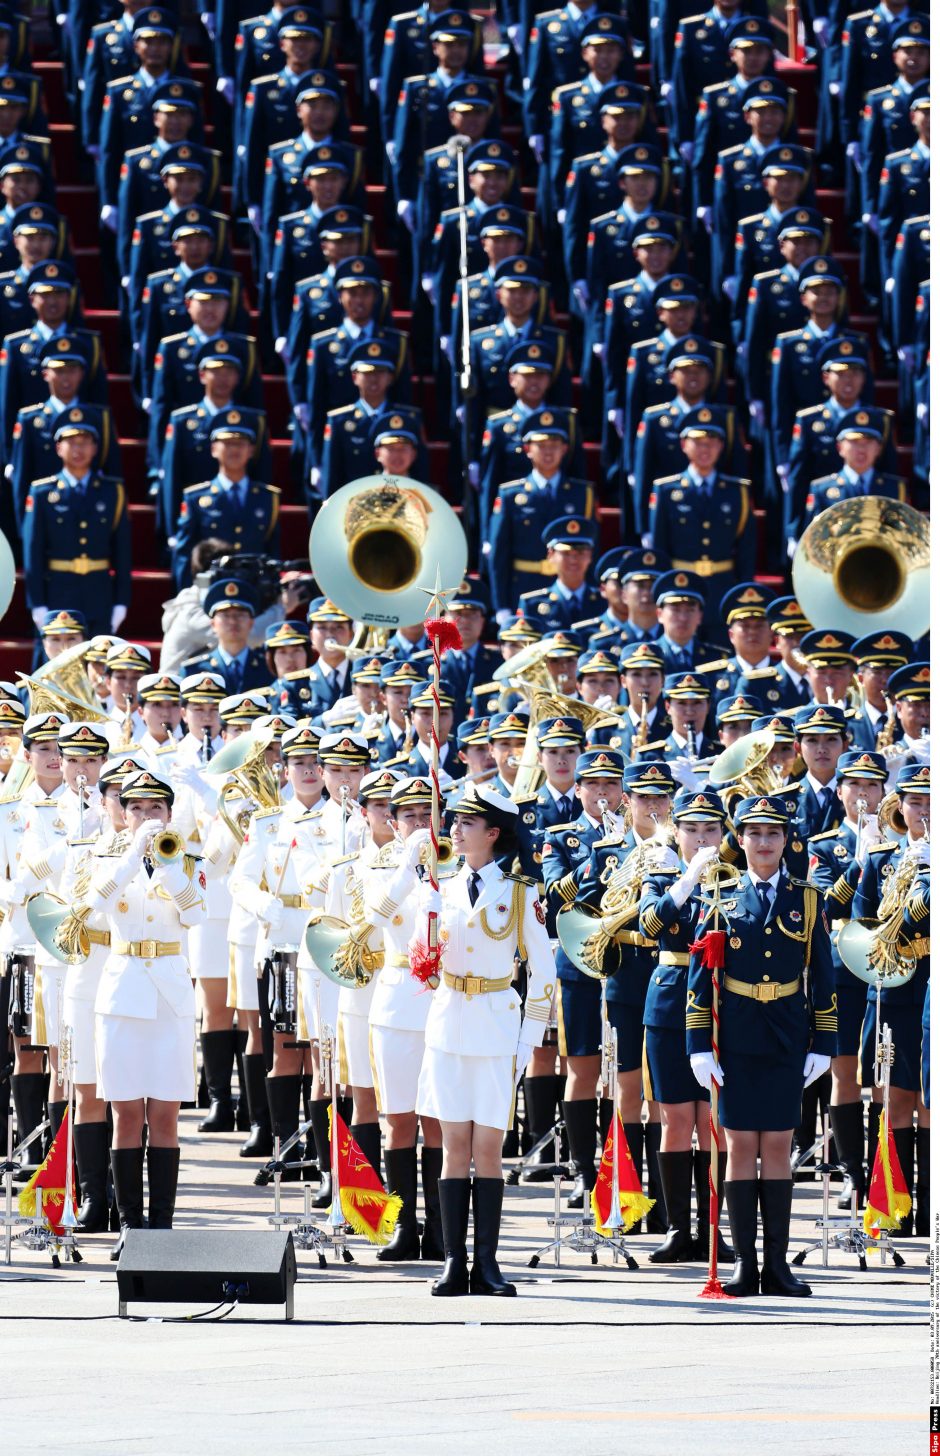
(615, 823)
(646, 540)
(685, 151)
(905, 355)
(537, 148)
(414, 845)
(143, 836)
(814, 1066)
(516, 35)
(868, 835)
(783, 471)
(730, 288)
(375, 85)
(706, 1070)
(615, 418)
(704, 215)
(921, 848)
(280, 346)
(427, 283)
(822, 30)
(852, 152)
(665, 90)
(503, 616)
(109, 217)
(561, 214)
(302, 415)
(145, 404)
(870, 221)
(8, 471)
(316, 475)
(39, 615)
(835, 88)
(447, 347)
(272, 914)
(604, 702)
(117, 617)
(473, 474)
(226, 88)
(756, 411)
(254, 216)
(391, 151)
(208, 20)
(580, 290)
(664, 858)
(406, 211)
(791, 548)
(692, 873)
(923, 412)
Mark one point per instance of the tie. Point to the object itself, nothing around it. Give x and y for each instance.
(473, 888)
(803, 690)
(825, 797)
(763, 889)
(564, 807)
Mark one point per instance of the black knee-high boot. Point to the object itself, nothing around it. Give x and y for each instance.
(848, 1133)
(703, 1207)
(163, 1168)
(455, 1219)
(803, 1165)
(127, 1170)
(320, 1115)
(401, 1167)
(581, 1122)
(485, 1275)
(540, 1115)
(675, 1176)
(369, 1137)
(904, 1142)
(259, 1143)
(432, 1236)
(242, 1107)
(559, 1111)
(283, 1095)
(56, 1118)
(776, 1201)
(92, 1147)
(741, 1198)
(871, 1137)
(656, 1219)
(218, 1054)
(29, 1096)
(922, 1211)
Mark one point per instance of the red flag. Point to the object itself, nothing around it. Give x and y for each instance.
(50, 1178)
(367, 1208)
(633, 1201)
(888, 1198)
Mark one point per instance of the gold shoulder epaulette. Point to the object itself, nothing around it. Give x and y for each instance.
(520, 879)
(295, 676)
(826, 834)
(345, 858)
(556, 828)
(805, 884)
(660, 742)
(716, 666)
(170, 747)
(759, 672)
(268, 813)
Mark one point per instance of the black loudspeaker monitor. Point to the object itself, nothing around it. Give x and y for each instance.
(203, 1266)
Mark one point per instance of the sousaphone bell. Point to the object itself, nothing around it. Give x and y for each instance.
(864, 566)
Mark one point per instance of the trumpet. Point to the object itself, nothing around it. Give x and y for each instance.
(642, 733)
(610, 818)
(165, 848)
(127, 727)
(80, 782)
(446, 853)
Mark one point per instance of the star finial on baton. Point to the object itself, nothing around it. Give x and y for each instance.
(438, 596)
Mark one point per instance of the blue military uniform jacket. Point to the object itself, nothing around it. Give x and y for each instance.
(656, 452)
(629, 985)
(404, 50)
(127, 123)
(270, 116)
(258, 52)
(240, 677)
(141, 189)
(187, 459)
(810, 819)
(348, 452)
(673, 928)
(21, 381)
(521, 511)
(719, 124)
(151, 249)
(445, 259)
(629, 318)
(774, 687)
(813, 454)
(34, 454)
(771, 307)
(316, 310)
(502, 455)
(795, 938)
(872, 883)
(903, 192)
(796, 380)
(89, 530)
(162, 312)
(329, 385)
(592, 188)
(865, 65)
(700, 59)
(738, 187)
(488, 349)
(211, 509)
(296, 256)
(831, 490)
(647, 381)
(831, 854)
(284, 190)
(755, 251)
(566, 857)
(110, 57)
(421, 122)
(556, 612)
(554, 59)
(706, 529)
(575, 129)
(886, 128)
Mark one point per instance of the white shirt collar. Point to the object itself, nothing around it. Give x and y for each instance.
(773, 882)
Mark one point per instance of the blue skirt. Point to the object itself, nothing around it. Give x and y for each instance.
(852, 1000)
(670, 1071)
(761, 1093)
(579, 1024)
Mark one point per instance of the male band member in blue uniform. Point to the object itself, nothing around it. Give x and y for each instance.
(902, 1006)
(783, 685)
(523, 508)
(569, 542)
(777, 1035)
(115, 50)
(821, 738)
(647, 378)
(160, 309)
(149, 247)
(770, 304)
(680, 606)
(575, 116)
(37, 233)
(76, 532)
(231, 607)
(529, 373)
(231, 506)
(860, 444)
(861, 777)
(908, 689)
(703, 520)
(406, 50)
(686, 703)
(421, 119)
(878, 655)
(719, 122)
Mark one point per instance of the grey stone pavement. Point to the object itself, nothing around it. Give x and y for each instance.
(590, 1359)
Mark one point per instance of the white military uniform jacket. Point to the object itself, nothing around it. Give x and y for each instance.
(45, 827)
(345, 881)
(391, 899)
(258, 870)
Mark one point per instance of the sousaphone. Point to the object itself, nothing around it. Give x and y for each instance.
(864, 566)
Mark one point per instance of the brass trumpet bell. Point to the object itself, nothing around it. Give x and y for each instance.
(328, 941)
(854, 944)
(377, 544)
(864, 566)
(576, 924)
(58, 929)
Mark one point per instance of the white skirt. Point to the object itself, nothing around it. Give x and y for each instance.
(242, 978)
(48, 998)
(355, 1067)
(207, 950)
(454, 1088)
(396, 1061)
(80, 1016)
(138, 1058)
(317, 990)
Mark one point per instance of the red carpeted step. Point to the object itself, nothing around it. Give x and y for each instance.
(53, 90)
(107, 323)
(149, 590)
(131, 423)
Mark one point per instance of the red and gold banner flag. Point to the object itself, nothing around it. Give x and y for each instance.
(888, 1198)
(633, 1201)
(49, 1177)
(367, 1208)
